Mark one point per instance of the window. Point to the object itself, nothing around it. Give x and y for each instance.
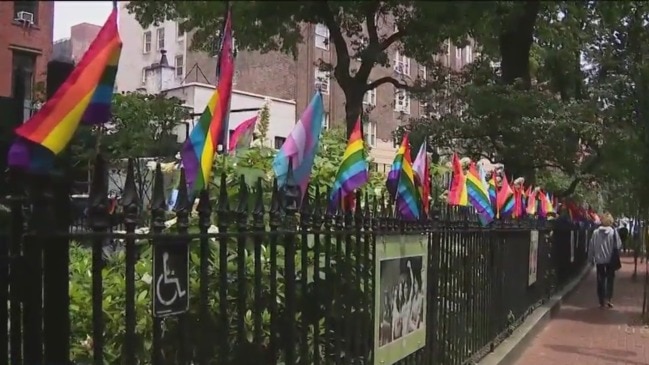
(322, 81)
(28, 7)
(369, 133)
(180, 66)
(23, 80)
(179, 32)
(422, 72)
(143, 76)
(325, 120)
(401, 101)
(458, 53)
(160, 35)
(370, 97)
(322, 36)
(279, 141)
(146, 42)
(401, 64)
(468, 56)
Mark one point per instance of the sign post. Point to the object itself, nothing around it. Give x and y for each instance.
(170, 279)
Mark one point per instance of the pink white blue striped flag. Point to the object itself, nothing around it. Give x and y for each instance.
(301, 146)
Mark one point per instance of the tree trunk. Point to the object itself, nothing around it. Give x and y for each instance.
(515, 43)
(353, 107)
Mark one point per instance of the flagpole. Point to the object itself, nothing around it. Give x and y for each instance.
(226, 121)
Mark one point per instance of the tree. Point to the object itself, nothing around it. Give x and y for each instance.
(358, 30)
(143, 126)
(542, 108)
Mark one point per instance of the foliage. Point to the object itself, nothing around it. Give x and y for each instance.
(142, 126)
(347, 266)
(256, 162)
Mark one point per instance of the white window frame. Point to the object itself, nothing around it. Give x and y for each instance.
(143, 77)
(160, 38)
(401, 101)
(322, 78)
(468, 55)
(180, 35)
(321, 38)
(369, 98)
(401, 64)
(458, 53)
(422, 72)
(369, 133)
(147, 39)
(180, 68)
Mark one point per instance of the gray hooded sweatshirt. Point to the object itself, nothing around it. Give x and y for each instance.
(601, 245)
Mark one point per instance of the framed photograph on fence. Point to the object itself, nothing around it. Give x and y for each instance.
(572, 246)
(400, 297)
(533, 258)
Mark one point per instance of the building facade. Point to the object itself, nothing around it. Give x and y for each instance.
(73, 48)
(25, 47)
(141, 49)
(281, 76)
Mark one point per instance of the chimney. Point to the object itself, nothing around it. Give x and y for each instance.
(163, 58)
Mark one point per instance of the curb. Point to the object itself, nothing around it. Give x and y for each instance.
(510, 350)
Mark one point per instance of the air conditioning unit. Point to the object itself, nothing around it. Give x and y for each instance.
(25, 17)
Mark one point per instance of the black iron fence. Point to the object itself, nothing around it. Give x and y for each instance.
(248, 278)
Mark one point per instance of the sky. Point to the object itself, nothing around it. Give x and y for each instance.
(69, 13)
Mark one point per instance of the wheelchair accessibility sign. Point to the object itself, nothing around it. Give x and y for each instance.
(170, 280)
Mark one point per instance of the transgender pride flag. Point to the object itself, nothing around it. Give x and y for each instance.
(301, 146)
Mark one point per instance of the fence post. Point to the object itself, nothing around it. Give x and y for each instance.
(292, 199)
(99, 222)
(40, 223)
(16, 274)
(56, 275)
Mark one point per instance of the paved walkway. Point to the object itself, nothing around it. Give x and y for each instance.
(583, 334)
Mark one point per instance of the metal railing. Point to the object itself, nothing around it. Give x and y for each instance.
(251, 278)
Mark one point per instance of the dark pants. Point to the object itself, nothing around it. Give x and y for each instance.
(605, 278)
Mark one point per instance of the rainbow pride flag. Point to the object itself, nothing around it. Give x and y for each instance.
(531, 201)
(242, 135)
(353, 172)
(407, 198)
(479, 196)
(200, 148)
(492, 190)
(458, 194)
(85, 97)
(301, 146)
(395, 173)
(505, 199)
(421, 167)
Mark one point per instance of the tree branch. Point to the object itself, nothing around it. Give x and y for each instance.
(588, 168)
(373, 42)
(396, 83)
(341, 71)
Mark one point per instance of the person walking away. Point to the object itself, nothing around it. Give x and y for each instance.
(603, 243)
(623, 232)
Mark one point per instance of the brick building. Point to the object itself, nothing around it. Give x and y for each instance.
(73, 48)
(282, 76)
(278, 75)
(25, 44)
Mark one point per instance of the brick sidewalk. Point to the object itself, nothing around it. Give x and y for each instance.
(583, 334)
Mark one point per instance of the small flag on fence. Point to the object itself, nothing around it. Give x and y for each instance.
(458, 194)
(353, 172)
(301, 146)
(242, 135)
